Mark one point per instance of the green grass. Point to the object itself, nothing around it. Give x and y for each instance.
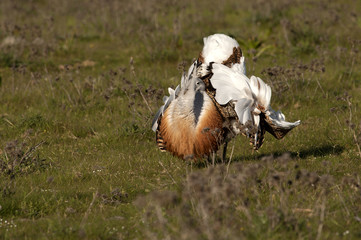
(78, 158)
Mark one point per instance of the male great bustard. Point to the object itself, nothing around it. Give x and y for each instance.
(215, 102)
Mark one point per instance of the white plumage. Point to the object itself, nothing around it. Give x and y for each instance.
(251, 97)
(221, 67)
(217, 48)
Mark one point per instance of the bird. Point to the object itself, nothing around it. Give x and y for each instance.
(188, 124)
(215, 102)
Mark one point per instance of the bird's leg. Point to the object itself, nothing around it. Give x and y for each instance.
(213, 158)
(224, 151)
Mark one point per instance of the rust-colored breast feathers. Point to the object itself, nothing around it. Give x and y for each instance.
(186, 139)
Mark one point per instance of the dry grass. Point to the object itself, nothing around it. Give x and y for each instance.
(269, 198)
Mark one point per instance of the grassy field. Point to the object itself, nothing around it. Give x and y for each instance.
(80, 82)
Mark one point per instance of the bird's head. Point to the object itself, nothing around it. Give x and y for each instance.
(193, 83)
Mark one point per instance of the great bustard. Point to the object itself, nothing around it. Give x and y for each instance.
(215, 102)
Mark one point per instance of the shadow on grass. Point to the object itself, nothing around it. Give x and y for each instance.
(315, 151)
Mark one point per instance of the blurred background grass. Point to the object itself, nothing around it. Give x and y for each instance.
(80, 82)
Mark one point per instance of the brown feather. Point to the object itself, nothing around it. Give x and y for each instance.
(234, 58)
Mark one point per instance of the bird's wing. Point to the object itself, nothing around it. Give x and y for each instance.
(251, 97)
(277, 125)
(243, 110)
(233, 86)
(240, 67)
